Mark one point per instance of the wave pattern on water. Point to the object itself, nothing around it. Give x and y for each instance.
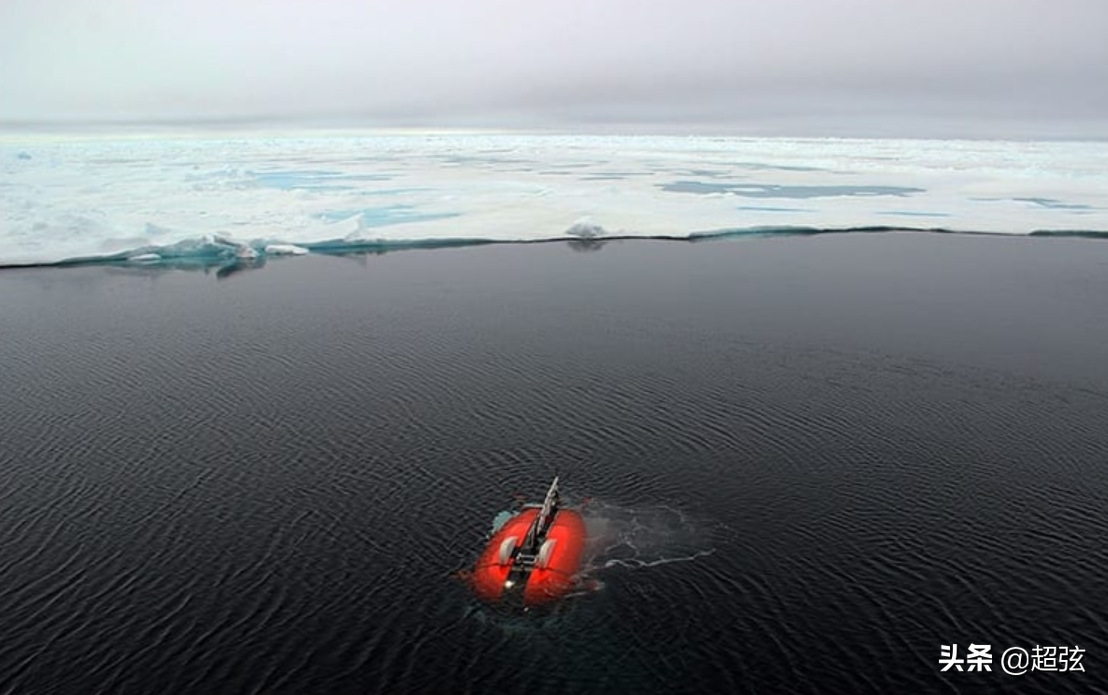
(802, 473)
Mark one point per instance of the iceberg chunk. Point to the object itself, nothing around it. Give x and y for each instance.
(285, 250)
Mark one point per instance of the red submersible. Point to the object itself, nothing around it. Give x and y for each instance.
(534, 557)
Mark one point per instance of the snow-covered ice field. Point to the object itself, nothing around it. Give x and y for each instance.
(163, 198)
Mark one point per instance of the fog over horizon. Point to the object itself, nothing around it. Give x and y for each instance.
(1017, 68)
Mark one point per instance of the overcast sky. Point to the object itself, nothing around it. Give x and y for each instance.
(880, 67)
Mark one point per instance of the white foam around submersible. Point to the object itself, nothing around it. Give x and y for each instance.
(63, 198)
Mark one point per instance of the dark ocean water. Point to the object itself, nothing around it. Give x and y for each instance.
(808, 462)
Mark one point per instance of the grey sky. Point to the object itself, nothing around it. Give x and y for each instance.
(886, 67)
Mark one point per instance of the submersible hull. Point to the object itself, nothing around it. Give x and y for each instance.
(534, 558)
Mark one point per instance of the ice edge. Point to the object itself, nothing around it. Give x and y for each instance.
(214, 251)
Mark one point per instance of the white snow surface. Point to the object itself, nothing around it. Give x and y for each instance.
(82, 197)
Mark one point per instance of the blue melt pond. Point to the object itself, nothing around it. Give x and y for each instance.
(384, 216)
(1053, 204)
(913, 213)
(769, 208)
(769, 190)
(312, 179)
